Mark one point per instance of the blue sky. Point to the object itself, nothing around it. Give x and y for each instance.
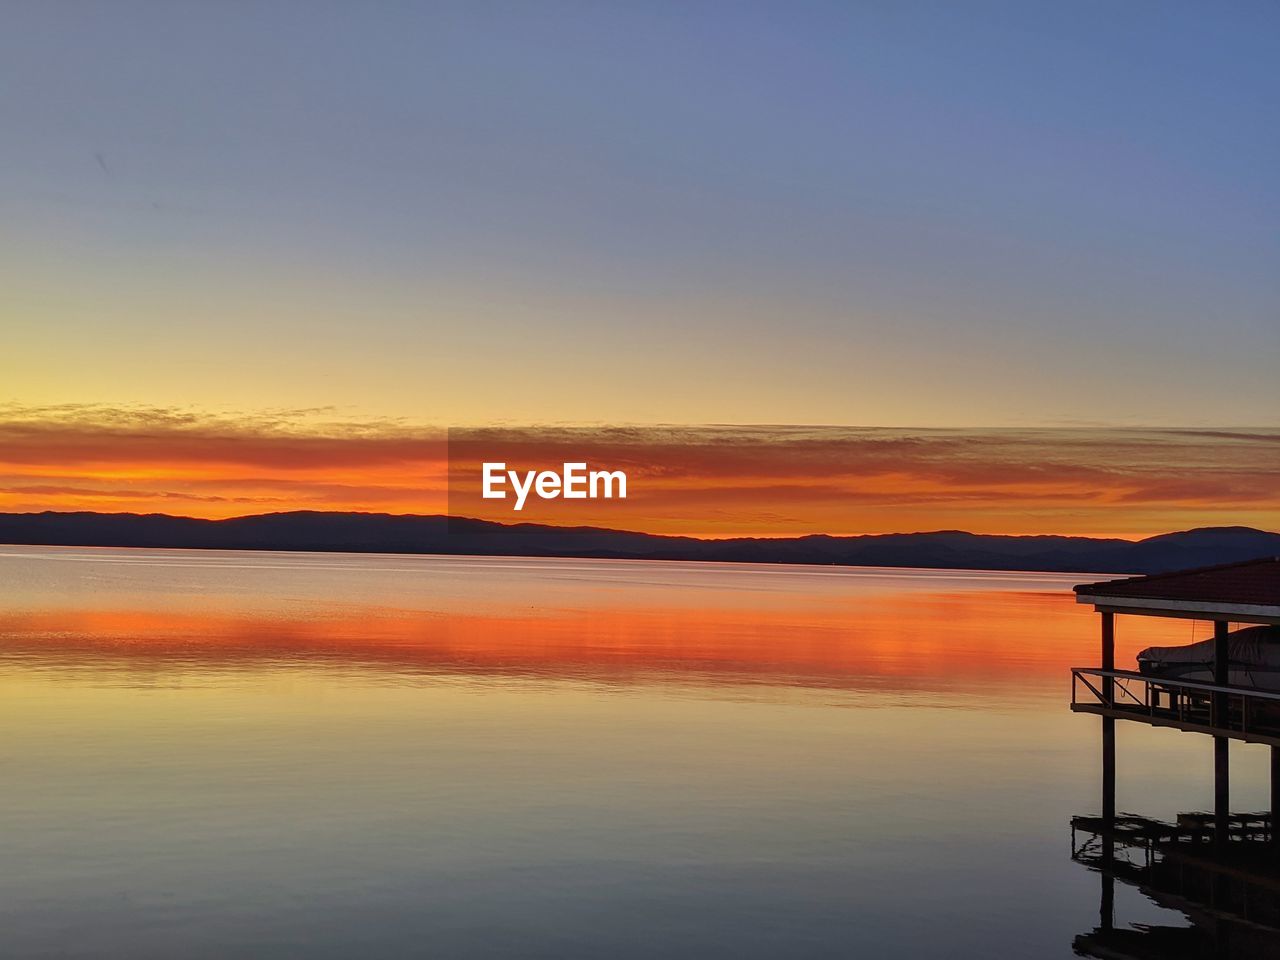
(878, 213)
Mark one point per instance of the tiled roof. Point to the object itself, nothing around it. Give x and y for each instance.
(1255, 582)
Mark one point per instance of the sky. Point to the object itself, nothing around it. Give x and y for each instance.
(703, 481)
(423, 216)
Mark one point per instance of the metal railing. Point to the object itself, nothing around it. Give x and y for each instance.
(1233, 710)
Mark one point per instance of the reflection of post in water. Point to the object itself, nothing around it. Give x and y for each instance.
(1219, 870)
(1108, 908)
(1220, 873)
(1275, 798)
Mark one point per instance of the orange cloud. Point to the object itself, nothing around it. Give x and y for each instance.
(713, 480)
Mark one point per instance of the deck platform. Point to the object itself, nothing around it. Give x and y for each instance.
(1220, 869)
(1240, 713)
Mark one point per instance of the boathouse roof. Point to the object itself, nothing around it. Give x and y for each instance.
(1247, 592)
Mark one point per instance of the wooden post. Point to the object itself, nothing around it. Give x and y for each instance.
(1221, 652)
(1221, 671)
(1109, 770)
(1108, 656)
(1221, 791)
(1275, 797)
(1221, 718)
(1108, 773)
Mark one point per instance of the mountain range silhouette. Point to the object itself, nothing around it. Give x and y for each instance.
(390, 533)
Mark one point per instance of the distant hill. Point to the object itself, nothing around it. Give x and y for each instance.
(387, 533)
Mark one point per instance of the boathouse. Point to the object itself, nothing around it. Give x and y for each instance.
(1221, 870)
(1239, 593)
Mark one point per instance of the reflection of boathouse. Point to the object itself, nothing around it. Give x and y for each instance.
(1221, 870)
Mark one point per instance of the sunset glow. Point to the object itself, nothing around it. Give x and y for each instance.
(708, 481)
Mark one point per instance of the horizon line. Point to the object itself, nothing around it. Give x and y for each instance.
(623, 530)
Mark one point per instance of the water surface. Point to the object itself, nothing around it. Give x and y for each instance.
(212, 754)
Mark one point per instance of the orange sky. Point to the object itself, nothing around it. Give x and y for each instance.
(715, 481)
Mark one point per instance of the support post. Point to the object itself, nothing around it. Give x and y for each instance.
(1221, 791)
(1275, 797)
(1107, 907)
(1108, 656)
(1221, 718)
(1109, 770)
(1221, 674)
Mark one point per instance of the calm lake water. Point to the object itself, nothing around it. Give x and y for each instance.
(214, 754)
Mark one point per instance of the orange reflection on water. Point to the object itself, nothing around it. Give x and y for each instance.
(554, 622)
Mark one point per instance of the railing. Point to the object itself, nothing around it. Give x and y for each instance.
(1241, 711)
